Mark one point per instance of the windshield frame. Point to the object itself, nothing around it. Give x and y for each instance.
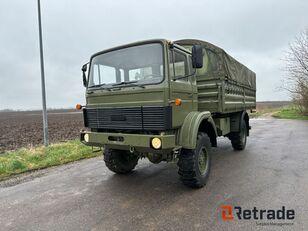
(161, 42)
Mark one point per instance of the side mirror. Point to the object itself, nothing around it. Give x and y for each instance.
(84, 77)
(197, 56)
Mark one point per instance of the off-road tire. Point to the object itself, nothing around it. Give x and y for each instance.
(120, 161)
(239, 139)
(189, 167)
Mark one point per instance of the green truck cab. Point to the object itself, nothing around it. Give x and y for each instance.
(166, 101)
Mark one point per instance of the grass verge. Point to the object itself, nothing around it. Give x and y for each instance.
(290, 113)
(27, 159)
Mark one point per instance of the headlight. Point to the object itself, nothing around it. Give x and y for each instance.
(156, 143)
(86, 137)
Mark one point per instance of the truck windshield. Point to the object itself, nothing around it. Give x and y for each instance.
(136, 65)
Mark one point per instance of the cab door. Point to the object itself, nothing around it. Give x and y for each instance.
(182, 85)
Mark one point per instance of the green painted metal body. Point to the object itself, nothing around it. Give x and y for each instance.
(211, 99)
(139, 142)
(189, 130)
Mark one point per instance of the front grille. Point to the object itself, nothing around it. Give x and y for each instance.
(129, 118)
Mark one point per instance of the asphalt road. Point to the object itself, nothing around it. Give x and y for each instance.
(272, 172)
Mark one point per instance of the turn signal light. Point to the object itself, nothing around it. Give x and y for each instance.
(178, 102)
(78, 106)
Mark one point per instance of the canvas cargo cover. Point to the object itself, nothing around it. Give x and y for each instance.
(229, 67)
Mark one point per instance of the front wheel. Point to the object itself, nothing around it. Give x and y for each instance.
(194, 164)
(120, 161)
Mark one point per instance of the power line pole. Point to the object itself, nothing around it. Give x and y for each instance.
(45, 122)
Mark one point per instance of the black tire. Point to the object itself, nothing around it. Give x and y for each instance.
(120, 161)
(191, 172)
(239, 139)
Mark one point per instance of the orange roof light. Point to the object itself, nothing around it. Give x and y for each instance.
(78, 106)
(178, 102)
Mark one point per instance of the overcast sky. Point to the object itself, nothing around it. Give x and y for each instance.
(256, 33)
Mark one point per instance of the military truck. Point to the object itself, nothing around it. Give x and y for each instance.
(166, 101)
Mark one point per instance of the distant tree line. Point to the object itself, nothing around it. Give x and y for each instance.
(297, 68)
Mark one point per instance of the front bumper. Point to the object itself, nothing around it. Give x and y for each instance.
(124, 141)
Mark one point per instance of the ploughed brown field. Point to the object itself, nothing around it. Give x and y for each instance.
(25, 128)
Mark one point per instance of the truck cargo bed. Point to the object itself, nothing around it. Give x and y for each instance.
(223, 96)
(224, 84)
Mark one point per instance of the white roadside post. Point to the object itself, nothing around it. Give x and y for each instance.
(45, 123)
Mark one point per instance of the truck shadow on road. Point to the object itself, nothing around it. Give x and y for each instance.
(156, 191)
(163, 178)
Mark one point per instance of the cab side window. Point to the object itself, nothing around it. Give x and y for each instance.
(179, 64)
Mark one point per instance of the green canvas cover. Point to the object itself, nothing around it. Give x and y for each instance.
(217, 62)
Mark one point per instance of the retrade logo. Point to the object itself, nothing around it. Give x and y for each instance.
(229, 212)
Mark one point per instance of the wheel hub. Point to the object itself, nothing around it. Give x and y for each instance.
(203, 161)
(244, 135)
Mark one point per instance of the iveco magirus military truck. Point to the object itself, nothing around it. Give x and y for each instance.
(166, 101)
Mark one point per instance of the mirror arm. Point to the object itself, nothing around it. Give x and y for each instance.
(186, 76)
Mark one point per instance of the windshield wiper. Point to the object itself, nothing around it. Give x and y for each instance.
(128, 84)
(99, 86)
(124, 83)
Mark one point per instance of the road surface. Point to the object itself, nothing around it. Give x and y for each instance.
(272, 172)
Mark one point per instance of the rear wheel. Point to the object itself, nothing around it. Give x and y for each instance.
(120, 161)
(238, 139)
(194, 164)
